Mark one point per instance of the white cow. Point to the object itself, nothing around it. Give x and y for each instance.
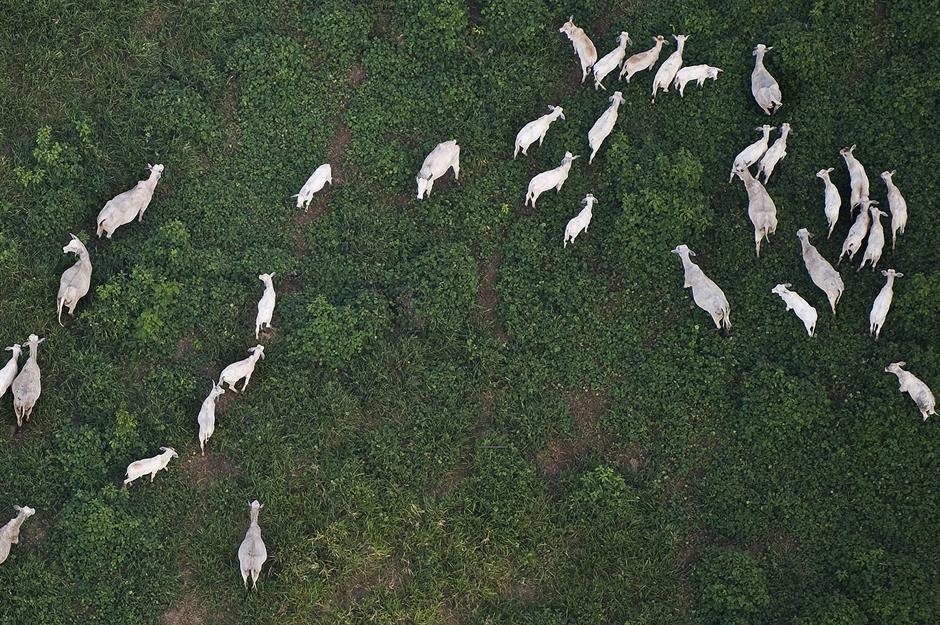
(857, 176)
(241, 369)
(76, 280)
(151, 465)
(583, 46)
(833, 200)
(124, 207)
(28, 384)
(611, 61)
(698, 73)
(252, 553)
(10, 533)
(764, 87)
(547, 179)
(317, 180)
(643, 60)
(667, 71)
(820, 271)
(206, 418)
(604, 125)
(879, 310)
(798, 305)
(898, 206)
(774, 154)
(876, 238)
(760, 208)
(536, 129)
(265, 304)
(914, 386)
(578, 224)
(705, 292)
(9, 371)
(752, 153)
(443, 157)
(853, 240)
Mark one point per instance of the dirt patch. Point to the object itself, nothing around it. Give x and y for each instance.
(587, 406)
(488, 298)
(634, 458)
(881, 10)
(378, 572)
(199, 470)
(33, 531)
(474, 16)
(339, 142)
(447, 614)
(19, 436)
(523, 591)
(775, 542)
(229, 108)
(289, 285)
(153, 20)
(357, 73)
(184, 346)
(188, 612)
(381, 26)
(688, 553)
(459, 473)
(678, 484)
(487, 405)
(450, 481)
(224, 400)
(560, 454)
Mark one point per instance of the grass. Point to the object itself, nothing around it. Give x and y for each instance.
(457, 420)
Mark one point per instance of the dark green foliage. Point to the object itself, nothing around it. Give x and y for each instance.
(334, 335)
(458, 420)
(733, 588)
(667, 205)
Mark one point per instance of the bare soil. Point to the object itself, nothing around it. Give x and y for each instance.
(488, 298)
(199, 470)
(587, 406)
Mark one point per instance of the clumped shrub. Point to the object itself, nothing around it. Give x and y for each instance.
(514, 23)
(340, 29)
(601, 495)
(433, 29)
(444, 286)
(141, 306)
(54, 161)
(666, 205)
(184, 115)
(333, 335)
(889, 586)
(835, 609)
(115, 561)
(80, 457)
(732, 587)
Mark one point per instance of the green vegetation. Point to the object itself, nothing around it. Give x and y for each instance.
(458, 421)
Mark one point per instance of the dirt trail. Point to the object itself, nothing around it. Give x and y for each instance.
(488, 298)
(339, 142)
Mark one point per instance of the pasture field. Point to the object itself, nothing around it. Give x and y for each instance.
(458, 421)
